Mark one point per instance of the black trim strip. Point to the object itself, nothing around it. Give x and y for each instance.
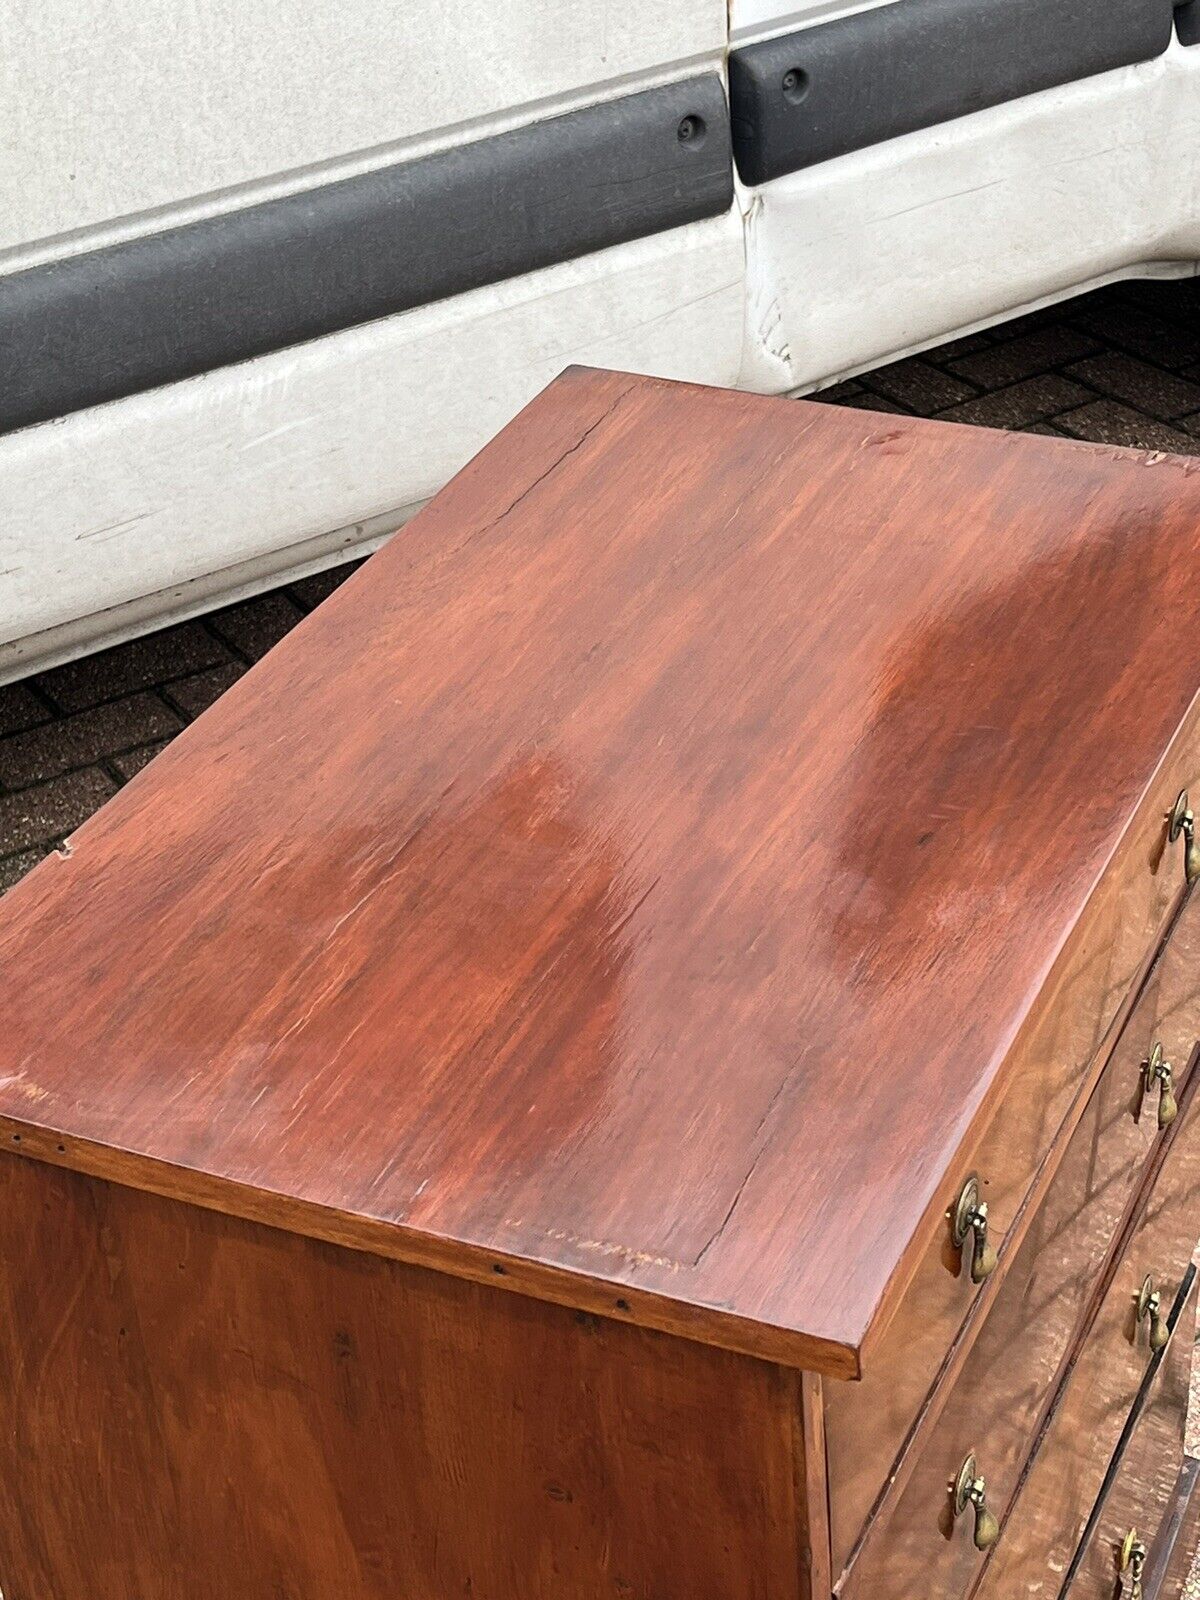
(808, 96)
(112, 322)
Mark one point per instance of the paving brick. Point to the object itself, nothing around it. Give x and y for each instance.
(194, 695)
(197, 693)
(1027, 322)
(967, 345)
(309, 592)
(1022, 403)
(1107, 422)
(255, 625)
(132, 761)
(869, 402)
(20, 708)
(14, 868)
(1014, 359)
(918, 384)
(1168, 344)
(837, 392)
(88, 736)
(1147, 388)
(48, 810)
(154, 659)
(1169, 297)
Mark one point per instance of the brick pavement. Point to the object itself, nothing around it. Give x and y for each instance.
(1119, 366)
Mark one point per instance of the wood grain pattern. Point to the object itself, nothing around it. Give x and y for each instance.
(1055, 1067)
(1178, 1539)
(655, 853)
(1143, 1488)
(1065, 1224)
(1062, 1484)
(997, 1400)
(202, 1407)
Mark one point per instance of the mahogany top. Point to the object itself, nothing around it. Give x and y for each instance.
(627, 886)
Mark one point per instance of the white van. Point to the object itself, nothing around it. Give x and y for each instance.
(270, 273)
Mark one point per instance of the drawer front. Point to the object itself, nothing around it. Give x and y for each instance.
(1067, 1475)
(867, 1422)
(1178, 1541)
(993, 1403)
(1120, 1543)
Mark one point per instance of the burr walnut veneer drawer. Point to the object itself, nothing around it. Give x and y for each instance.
(1084, 1006)
(992, 1397)
(1108, 1368)
(1173, 1553)
(1120, 1544)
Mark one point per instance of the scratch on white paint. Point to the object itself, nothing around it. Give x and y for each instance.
(274, 433)
(110, 530)
(766, 354)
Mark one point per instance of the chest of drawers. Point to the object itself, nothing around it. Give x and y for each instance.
(646, 1051)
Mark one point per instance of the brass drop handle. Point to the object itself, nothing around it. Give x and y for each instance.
(1158, 1072)
(970, 1221)
(1181, 820)
(1149, 1307)
(1133, 1561)
(971, 1490)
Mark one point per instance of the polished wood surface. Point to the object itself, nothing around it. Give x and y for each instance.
(994, 1404)
(1105, 1376)
(1055, 1068)
(652, 858)
(200, 1408)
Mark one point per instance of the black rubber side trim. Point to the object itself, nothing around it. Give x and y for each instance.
(115, 321)
(1187, 21)
(846, 84)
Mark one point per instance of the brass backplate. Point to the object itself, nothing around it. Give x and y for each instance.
(962, 1485)
(1145, 1294)
(1176, 815)
(964, 1210)
(1129, 1544)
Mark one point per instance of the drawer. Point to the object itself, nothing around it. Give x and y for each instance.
(993, 1403)
(1064, 1479)
(1068, 1472)
(1120, 1546)
(867, 1422)
(1178, 1541)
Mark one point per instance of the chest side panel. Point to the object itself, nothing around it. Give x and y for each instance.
(205, 1406)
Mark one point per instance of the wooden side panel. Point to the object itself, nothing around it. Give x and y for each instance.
(200, 1406)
